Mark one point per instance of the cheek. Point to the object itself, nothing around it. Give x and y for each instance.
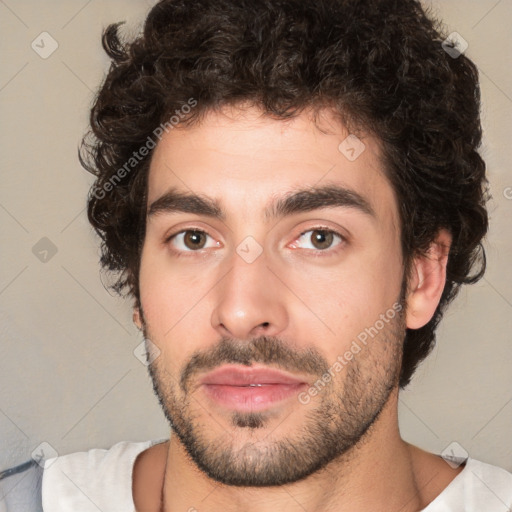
(346, 298)
(168, 290)
(173, 299)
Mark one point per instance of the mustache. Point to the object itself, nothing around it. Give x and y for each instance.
(267, 350)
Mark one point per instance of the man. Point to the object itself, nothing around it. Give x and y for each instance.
(292, 194)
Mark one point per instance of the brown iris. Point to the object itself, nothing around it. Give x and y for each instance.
(321, 239)
(194, 239)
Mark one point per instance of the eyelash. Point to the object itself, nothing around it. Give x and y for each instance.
(179, 253)
(329, 251)
(316, 252)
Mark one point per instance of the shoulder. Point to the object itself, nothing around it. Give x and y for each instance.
(20, 488)
(88, 480)
(479, 486)
(496, 473)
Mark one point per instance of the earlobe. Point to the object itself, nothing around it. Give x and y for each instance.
(136, 318)
(427, 280)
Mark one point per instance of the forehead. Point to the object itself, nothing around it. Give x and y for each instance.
(246, 161)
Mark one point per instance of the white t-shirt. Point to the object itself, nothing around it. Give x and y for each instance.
(102, 480)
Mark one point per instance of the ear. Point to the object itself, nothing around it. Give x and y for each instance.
(137, 318)
(427, 280)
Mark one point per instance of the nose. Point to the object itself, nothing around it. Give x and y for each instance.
(249, 301)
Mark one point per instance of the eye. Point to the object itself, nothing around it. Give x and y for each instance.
(191, 240)
(318, 239)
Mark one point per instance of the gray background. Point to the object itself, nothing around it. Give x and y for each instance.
(68, 375)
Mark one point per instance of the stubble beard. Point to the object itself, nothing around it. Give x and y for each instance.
(248, 451)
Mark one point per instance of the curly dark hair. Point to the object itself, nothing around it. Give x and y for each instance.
(381, 65)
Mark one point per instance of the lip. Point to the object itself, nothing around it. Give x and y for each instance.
(243, 376)
(250, 389)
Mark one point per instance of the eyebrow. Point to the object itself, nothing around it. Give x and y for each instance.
(296, 201)
(314, 198)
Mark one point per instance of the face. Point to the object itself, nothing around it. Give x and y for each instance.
(270, 282)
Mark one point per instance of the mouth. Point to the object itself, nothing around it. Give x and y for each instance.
(250, 389)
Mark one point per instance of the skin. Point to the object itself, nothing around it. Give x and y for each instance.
(308, 298)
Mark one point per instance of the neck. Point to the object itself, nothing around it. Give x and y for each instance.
(378, 470)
